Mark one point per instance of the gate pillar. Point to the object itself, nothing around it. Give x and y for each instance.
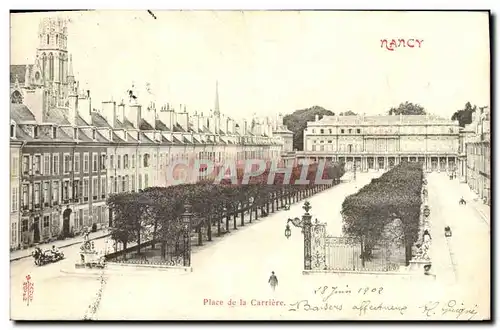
(318, 246)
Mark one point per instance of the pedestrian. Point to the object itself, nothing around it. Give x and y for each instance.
(273, 281)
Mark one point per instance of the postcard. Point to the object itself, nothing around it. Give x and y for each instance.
(250, 165)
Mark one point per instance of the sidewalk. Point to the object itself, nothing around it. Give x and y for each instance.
(25, 253)
(475, 202)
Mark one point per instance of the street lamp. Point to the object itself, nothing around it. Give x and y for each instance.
(186, 222)
(288, 232)
(305, 224)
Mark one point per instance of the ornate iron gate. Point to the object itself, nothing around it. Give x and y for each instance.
(330, 253)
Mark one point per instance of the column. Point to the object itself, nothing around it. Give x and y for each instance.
(447, 164)
(386, 162)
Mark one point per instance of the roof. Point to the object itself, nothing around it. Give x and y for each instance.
(186, 141)
(57, 116)
(80, 122)
(20, 71)
(20, 113)
(99, 121)
(144, 138)
(382, 120)
(178, 128)
(176, 140)
(161, 126)
(144, 125)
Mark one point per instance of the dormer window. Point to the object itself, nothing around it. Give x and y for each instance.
(54, 132)
(93, 134)
(35, 132)
(75, 133)
(110, 134)
(13, 130)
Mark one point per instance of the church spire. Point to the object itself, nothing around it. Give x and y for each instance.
(216, 108)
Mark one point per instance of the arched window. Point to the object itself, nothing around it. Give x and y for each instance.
(13, 130)
(51, 67)
(16, 97)
(44, 66)
(146, 160)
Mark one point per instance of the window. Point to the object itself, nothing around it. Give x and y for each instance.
(14, 199)
(146, 183)
(115, 189)
(75, 133)
(86, 163)
(342, 131)
(85, 189)
(13, 233)
(322, 131)
(54, 132)
(12, 130)
(46, 164)
(86, 217)
(35, 132)
(37, 163)
(124, 187)
(140, 181)
(133, 161)
(321, 148)
(146, 160)
(125, 161)
(330, 131)
(111, 161)
(65, 192)
(77, 163)
(24, 225)
(140, 161)
(330, 141)
(118, 161)
(95, 188)
(25, 200)
(67, 163)
(350, 130)
(26, 164)
(133, 182)
(55, 164)
(93, 134)
(94, 162)
(36, 194)
(103, 162)
(76, 190)
(45, 196)
(358, 131)
(103, 187)
(46, 221)
(55, 192)
(313, 131)
(111, 190)
(48, 39)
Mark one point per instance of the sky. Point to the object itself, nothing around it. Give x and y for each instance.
(269, 62)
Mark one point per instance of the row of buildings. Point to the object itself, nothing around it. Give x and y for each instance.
(68, 155)
(375, 143)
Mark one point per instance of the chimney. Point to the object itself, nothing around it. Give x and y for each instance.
(109, 112)
(133, 114)
(167, 116)
(72, 110)
(120, 112)
(84, 108)
(316, 118)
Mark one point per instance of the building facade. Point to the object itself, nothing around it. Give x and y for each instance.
(381, 142)
(72, 154)
(477, 162)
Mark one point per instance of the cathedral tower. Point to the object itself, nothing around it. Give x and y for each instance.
(52, 54)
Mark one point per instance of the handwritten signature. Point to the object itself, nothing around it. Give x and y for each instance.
(449, 308)
(306, 306)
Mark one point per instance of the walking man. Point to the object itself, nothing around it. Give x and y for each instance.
(273, 281)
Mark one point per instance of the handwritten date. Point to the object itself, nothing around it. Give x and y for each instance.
(326, 292)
